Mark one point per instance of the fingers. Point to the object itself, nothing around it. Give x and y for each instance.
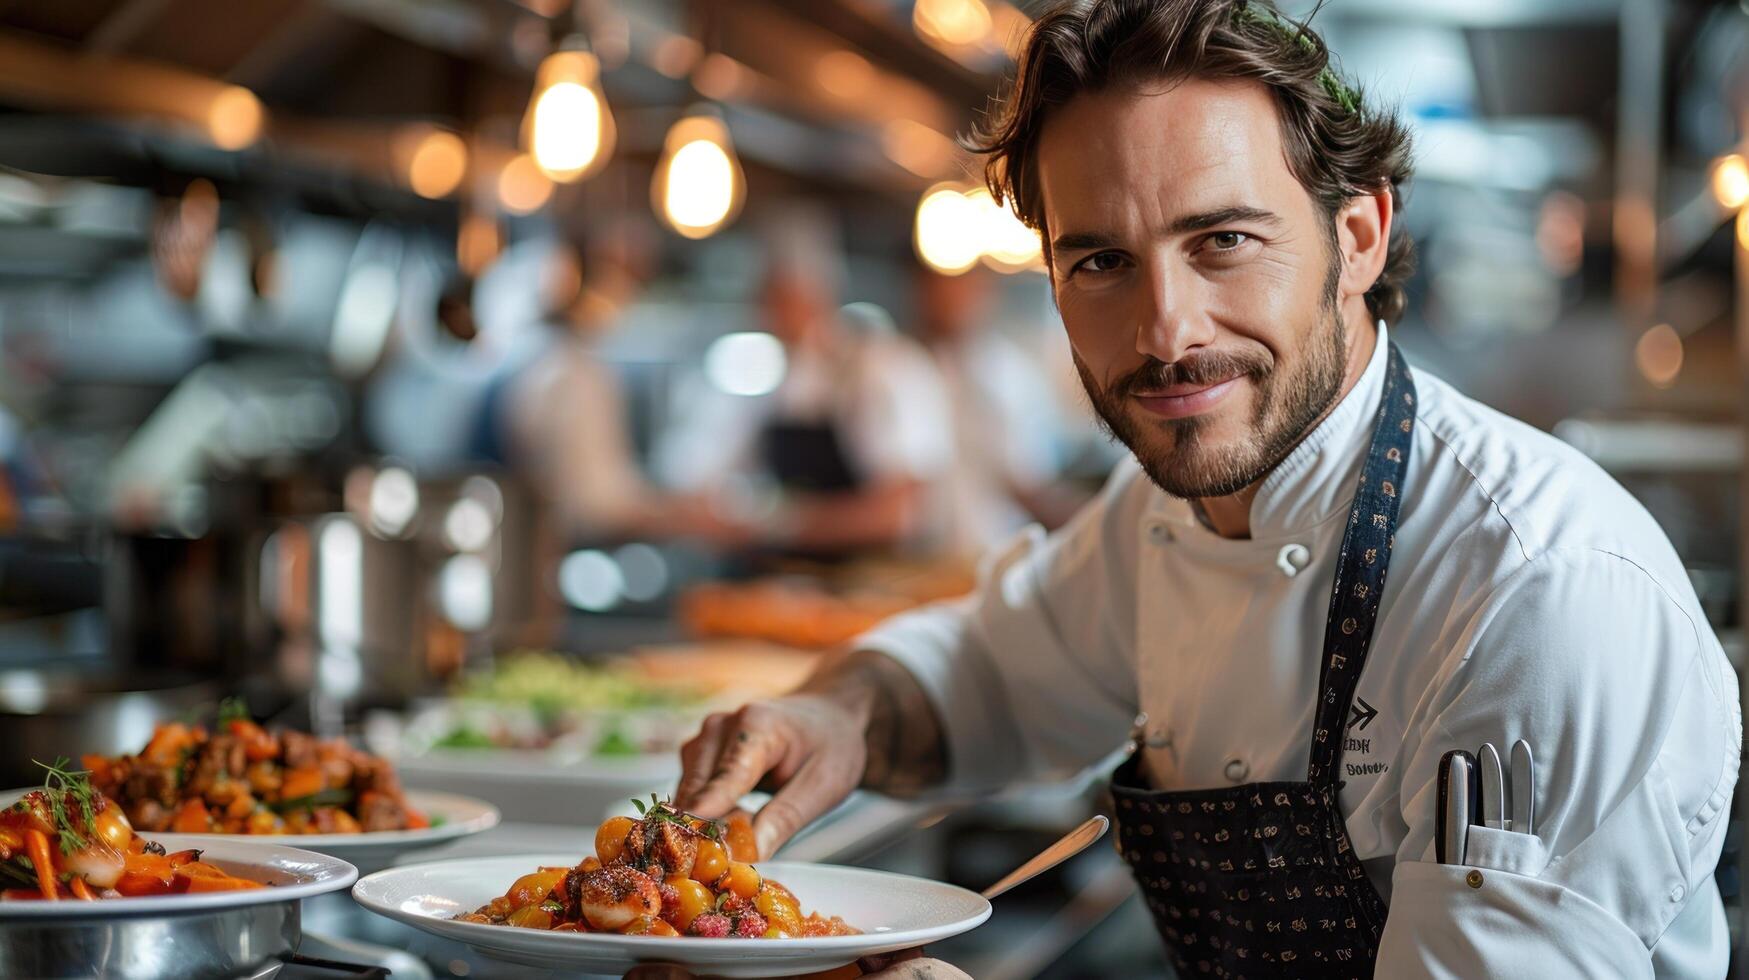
(698, 759)
(750, 747)
(812, 792)
(880, 961)
(919, 969)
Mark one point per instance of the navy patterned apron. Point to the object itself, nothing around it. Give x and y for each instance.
(1260, 880)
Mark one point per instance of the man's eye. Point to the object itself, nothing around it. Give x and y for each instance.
(1102, 262)
(1226, 241)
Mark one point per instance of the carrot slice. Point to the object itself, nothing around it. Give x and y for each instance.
(81, 890)
(37, 844)
(192, 817)
(299, 783)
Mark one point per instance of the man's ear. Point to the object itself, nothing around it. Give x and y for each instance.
(1363, 236)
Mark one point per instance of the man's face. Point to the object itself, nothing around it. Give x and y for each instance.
(1196, 278)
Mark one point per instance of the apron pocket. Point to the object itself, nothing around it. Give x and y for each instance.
(1503, 925)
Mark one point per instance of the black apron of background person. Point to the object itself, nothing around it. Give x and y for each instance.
(807, 457)
(1260, 880)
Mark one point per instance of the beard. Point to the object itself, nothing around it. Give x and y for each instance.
(1182, 456)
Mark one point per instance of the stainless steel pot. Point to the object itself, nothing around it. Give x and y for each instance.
(253, 941)
(194, 936)
(49, 713)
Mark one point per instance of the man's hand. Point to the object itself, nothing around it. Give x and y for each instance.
(860, 720)
(811, 745)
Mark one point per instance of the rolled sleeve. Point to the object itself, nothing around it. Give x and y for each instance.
(1631, 711)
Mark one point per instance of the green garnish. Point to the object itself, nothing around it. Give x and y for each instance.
(465, 738)
(723, 898)
(234, 709)
(553, 905)
(660, 811)
(615, 743)
(61, 784)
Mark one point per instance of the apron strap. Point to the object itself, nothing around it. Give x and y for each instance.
(1361, 565)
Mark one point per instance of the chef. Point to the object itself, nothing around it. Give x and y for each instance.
(1322, 570)
(850, 446)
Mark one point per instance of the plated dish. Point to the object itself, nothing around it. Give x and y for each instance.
(241, 779)
(894, 912)
(68, 841)
(667, 874)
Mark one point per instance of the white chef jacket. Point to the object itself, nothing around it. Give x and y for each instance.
(1529, 596)
(567, 423)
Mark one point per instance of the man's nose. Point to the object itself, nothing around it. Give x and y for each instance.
(1172, 323)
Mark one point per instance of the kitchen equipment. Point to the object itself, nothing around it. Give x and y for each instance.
(894, 912)
(1523, 788)
(1457, 806)
(1069, 845)
(49, 713)
(190, 937)
(1492, 801)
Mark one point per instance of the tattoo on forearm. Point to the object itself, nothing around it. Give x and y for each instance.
(907, 752)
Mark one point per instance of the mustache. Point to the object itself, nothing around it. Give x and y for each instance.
(1202, 369)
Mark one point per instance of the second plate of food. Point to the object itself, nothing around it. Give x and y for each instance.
(891, 912)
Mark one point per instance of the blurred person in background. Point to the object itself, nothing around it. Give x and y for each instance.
(848, 453)
(558, 416)
(1007, 429)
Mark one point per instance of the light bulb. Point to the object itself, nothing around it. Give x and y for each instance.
(437, 160)
(1731, 181)
(949, 230)
(522, 187)
(954, 22)
(698, 186)
(233, 120)
(1009, 245)
(568, 128)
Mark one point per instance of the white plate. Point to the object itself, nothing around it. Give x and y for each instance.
(894, 912)
(458, 816)
(293, 872)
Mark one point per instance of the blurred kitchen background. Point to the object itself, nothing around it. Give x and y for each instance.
(404, 363)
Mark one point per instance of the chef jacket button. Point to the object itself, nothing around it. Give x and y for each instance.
(1292, 558)
(1237, 770)
(1159, 533)
(1677, 892)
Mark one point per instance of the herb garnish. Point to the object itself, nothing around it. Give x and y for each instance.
(657, 810)
(234, 709)
(61, 785)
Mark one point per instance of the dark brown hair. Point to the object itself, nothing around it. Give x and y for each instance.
(1337, 147)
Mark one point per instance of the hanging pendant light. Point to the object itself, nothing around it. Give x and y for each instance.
(568, 128)
(698, 187)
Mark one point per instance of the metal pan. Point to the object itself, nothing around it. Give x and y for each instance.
(190, 937)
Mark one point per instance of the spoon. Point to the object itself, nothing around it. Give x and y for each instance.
(1071, 844)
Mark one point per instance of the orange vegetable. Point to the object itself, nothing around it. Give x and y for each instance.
(37, 846)
(81, 890)
(216, 883)
(533, 889)
(743, 846)
(146, 874)
(610, 838)
(694, 899)
(191, 817)
(258, 746)
(740, 879)
(710, 863)
(417, 820)
(531, 917)
(299, 783)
